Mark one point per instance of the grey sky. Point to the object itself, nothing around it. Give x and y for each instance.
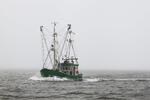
(111, 34)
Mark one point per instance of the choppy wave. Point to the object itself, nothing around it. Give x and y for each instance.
(21, 86)
(118, 79)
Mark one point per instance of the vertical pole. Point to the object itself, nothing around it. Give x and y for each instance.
(54, 35)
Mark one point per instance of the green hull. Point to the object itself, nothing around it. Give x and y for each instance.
(50, 73)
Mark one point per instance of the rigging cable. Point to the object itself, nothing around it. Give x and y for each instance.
(63, 46)
(45, 42)
(42, 46)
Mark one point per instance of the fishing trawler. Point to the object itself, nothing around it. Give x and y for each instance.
(63, 60)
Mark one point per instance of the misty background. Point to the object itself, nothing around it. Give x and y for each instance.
(111, 34)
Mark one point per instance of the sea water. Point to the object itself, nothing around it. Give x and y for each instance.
(96, 85)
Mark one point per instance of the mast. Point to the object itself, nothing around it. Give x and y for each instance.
(54, 46)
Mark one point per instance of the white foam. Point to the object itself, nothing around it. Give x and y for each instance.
(91, 80)
(38, 77)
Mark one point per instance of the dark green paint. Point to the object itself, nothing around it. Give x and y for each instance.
(50, 73)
